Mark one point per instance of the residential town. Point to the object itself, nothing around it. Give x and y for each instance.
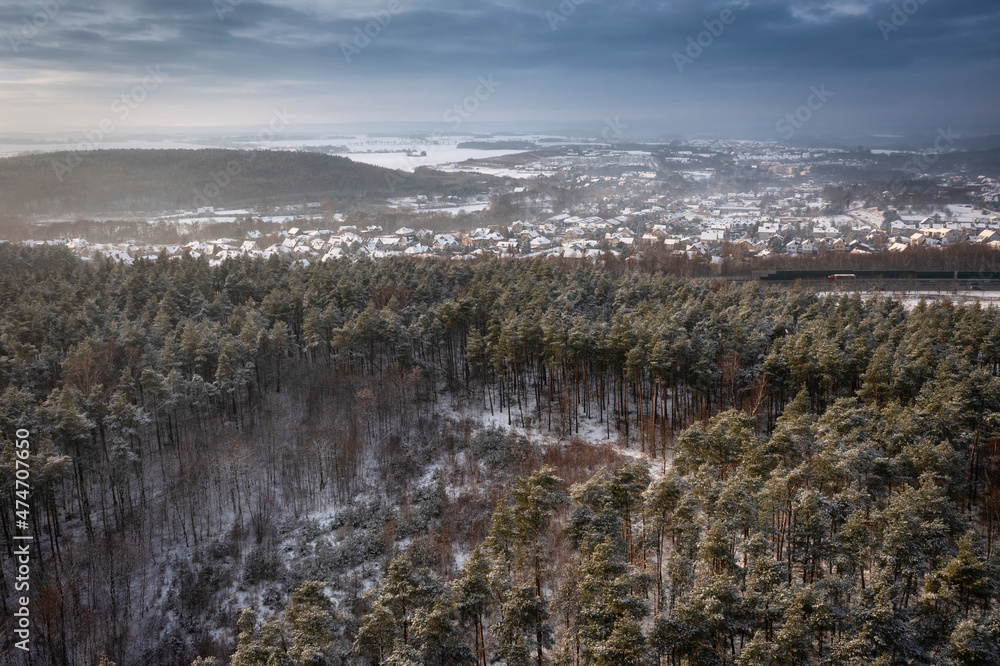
(594, 203)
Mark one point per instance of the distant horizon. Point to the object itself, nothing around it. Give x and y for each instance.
(641, 131)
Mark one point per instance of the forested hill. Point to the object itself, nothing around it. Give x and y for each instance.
(260, 463)
(151, 181)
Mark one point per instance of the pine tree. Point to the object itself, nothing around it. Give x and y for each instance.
(258, 646)
(535, 499)
(610, 610)
(404, 592)
(312, 624)
(474, 598)
(436, 632)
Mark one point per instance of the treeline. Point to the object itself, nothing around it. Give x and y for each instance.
(980, 259)
(824, 487)
(153, 181)
(499, 145)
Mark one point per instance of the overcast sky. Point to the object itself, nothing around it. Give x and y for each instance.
(924, 64)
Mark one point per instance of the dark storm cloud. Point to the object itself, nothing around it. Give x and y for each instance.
(555, 59)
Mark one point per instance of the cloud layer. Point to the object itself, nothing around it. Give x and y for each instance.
(742, 65)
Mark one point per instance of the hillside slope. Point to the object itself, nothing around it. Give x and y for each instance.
(144, 181)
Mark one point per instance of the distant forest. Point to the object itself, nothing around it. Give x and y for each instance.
(499, 145)
(152, 181)
(529, 463)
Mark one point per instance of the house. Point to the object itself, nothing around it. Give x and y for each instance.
(766, 231)
(824, 231)
(947, 236)
(877, 238)
(387, 242)
(696, 251)
(860, 248)
(445, 242)
(334, 253)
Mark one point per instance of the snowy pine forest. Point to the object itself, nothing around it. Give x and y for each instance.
(526, 463)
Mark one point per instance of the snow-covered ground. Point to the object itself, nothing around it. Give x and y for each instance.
(436, 156)
(227, 217)
(400, 153)
(910, 299)
(414, 205)
(591, 431)
(496, 172)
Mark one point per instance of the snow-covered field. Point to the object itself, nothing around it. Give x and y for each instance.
(490, 171)
(228, 217)
(386, 151)
(410, 203)
(910, 299)
(436, 156)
